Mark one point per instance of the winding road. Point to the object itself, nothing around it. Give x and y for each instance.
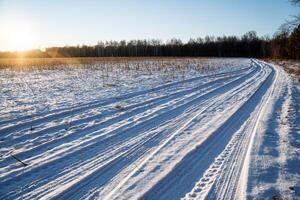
(190, 139)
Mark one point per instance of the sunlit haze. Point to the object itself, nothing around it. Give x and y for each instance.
(19, 35)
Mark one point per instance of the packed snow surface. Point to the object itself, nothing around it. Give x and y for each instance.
(229, 129)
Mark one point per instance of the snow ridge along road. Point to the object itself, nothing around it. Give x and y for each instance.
(190, 139)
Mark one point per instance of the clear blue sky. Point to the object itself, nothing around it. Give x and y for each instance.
(71, 22)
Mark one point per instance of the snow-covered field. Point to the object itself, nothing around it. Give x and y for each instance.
(187, 128)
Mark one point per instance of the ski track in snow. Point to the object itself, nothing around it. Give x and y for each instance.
(199, 138)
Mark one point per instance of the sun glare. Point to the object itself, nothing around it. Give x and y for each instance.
(20, 37)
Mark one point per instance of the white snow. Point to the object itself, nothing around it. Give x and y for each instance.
(192, 129)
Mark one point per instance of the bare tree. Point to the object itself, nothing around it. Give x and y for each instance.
(294, 22)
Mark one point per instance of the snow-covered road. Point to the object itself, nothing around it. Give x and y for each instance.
(205, 137)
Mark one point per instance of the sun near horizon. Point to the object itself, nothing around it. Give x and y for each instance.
(20, 35)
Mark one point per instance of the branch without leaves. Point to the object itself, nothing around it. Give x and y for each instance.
(290, 25)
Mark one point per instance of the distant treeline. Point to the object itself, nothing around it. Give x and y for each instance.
(285, 44)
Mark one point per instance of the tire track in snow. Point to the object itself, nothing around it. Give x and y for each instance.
(108, 118)
(231, 162)
(194, 164)
(70, 194)
(61, 128)
(89, 136)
